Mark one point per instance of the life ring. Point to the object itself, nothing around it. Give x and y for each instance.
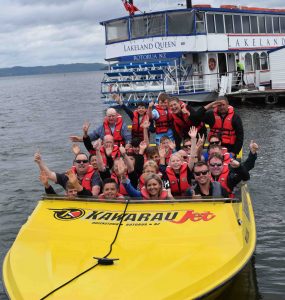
(212, 63)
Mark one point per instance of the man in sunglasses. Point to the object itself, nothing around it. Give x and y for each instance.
(229, 175)
(205, 187)
(85, 173)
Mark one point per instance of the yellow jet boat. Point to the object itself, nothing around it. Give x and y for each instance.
(86, 249)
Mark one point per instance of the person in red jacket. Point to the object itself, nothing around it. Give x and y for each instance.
(225, 122)
(85, 173)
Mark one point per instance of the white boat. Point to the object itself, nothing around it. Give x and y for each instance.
(185, 52)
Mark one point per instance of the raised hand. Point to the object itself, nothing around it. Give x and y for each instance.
(234, 163)
(75, 149)
(143, 146)
(171, 145)
(71, 177)
(97, 144)
(146, 123)
(85, 128)
(151, 103)
(200, 142)
(253, 147)
(122, 150)
(37, 157)
(193, 132)
(161, 152)
(75, 138)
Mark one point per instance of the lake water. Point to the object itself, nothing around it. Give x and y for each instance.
(40, 112)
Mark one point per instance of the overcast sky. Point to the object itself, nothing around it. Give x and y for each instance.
(50, 32)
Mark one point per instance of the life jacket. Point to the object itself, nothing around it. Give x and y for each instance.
(115, 153)
(137, 130)
(122, 189)
(182, 123)
(118, 197)
(223, 180)
(117, 134)
(145, 194)
(181, 187)
(86, 180)
(164, 122)
(224, 127)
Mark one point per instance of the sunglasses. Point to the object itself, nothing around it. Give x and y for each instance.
(79, 161)
(185, 157)
(187, 146)
(216, 165)
(215, 143)
(201, 173)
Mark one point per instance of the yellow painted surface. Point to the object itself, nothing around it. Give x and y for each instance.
(199, 250)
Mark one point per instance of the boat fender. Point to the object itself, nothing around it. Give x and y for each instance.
(105, 261)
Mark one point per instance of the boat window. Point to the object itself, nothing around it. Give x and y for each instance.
(180, 23)
(210, 23)
(253, 24)
(248, 62)
(269, 27)
(237, 24)
(220, 28)
(200, 22)
(261, 21)
(245, 24)
(282, 24)
(263, 61)
(229, 23)
(139, 27)
(276, 25)
(156, 25)
(256, 61)
(117, 31)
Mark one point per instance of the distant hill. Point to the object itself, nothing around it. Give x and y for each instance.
(20, 71)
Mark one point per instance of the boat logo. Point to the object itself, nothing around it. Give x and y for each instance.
(66, 214)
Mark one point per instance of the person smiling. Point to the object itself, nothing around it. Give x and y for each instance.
(204, 185)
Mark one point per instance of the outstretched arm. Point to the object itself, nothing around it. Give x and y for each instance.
(128, 162)
(43, 167)
(193, 153)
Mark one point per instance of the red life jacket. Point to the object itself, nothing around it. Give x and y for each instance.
(118, 196)
(223, 180)
(164, 122)
(115, 153)
(118, 139)
(181, 187)
(224, 127)
(137, 130)
(163, 195)
(122, 189)
(182, 123)
(86, 181)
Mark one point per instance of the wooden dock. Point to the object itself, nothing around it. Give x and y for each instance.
(268, 96)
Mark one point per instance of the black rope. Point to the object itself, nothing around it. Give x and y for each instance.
(87, 270)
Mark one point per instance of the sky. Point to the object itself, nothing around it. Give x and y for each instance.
(51, 32)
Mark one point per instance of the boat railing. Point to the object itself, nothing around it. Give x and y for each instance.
(179, 199)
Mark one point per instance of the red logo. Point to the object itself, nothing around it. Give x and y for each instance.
(67, 214)
(195, 217)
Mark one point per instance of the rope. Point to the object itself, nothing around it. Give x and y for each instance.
(92, 267)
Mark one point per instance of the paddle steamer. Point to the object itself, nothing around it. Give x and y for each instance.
(185, 52)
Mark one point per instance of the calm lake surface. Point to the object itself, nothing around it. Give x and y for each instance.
(40, 112)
